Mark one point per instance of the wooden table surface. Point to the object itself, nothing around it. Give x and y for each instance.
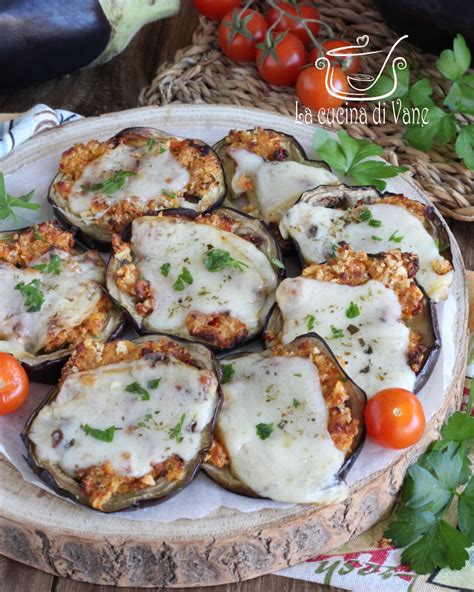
(113, 87)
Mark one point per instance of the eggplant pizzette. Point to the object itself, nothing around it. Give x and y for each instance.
(267, 171)
(210, 278)
(290, 426)
(51, 298)
(102, 186)
(378, 322)
(129, 422)
(374, 223)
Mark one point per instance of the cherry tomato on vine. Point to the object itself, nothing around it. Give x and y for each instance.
(350, 65)
(14, 384)
(290, 23)
(280, 58)
(216, 9)
(311, 88)
(394, 418)
(239, 33)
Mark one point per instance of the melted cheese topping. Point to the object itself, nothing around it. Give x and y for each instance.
(371, 346)
(155, 173)
(145, 430)
(298, 461)
(277, 184)
(69, 298)
(315, 229)
(245, 294)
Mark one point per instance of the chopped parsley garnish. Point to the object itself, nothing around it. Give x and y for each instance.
(336, 333)
(376, 238)
(353, 311)
(295, 403)
(169, 194)
(183, 278)
(310, 320)
(264, 430)
(228, 372)
(165, 269)
(113, 184)
(333, 250)
(137, 389)
(154, 383)
(150, 143)
(102, 435)
(8, 202)
(36, 234)
(375, 223)
(175, 433)
(218, 259)
(394, 238)
(441, 247)
(34, 297)
(53, 266)
(278, 263)
(365, 370)
(365, 215)
(297, 374)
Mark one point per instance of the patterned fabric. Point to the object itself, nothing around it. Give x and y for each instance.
(39, 118)
(368, 564)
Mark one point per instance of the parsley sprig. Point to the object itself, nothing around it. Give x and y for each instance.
(441, 476)
(53, 266)
(218, 259)
(443, 126)
(183, 278)
(34, 297)
(8, 202)
(175, 432)
(112, 184)
(353, 158)
(102, 435)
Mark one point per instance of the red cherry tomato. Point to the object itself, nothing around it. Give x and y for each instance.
(311, 88)
(289, 23)
(14, 384)
(216, 9)
(283, 69)
(349, 65)
(239, 33)
(394, 418)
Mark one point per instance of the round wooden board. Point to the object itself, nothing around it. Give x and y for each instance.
(43, 531)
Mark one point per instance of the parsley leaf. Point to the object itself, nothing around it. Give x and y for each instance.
(103, 435)
(170, 194)
(376, 238)
(150, 143)
(375, 223)
(175, 432)
(409, 525)
(112, 184)
(218, 259)
(137, 389)
(34, 297)
(295, 404)
(440, 129)
(459, 428)
(394, 238)
(228, 372)
(53, 266)
(165, 269)
(310, 320)
(465, 145)
(8, 202)
(454, 63)
(466, 510)
(183, 278)
(277, 263)
(264, 430)
(353, 311)
(153, 383)
(348, 155)
(336, 333)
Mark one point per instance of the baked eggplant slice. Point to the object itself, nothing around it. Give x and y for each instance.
(208, 278)
(291, 424)
(102, 186)
(267, 171)
(379, 323)
(374, 223)
(51, 298)
(129, 422)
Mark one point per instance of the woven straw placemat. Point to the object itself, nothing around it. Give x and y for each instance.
(201, 73)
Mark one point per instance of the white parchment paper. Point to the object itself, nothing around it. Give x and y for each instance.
(203, 496)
